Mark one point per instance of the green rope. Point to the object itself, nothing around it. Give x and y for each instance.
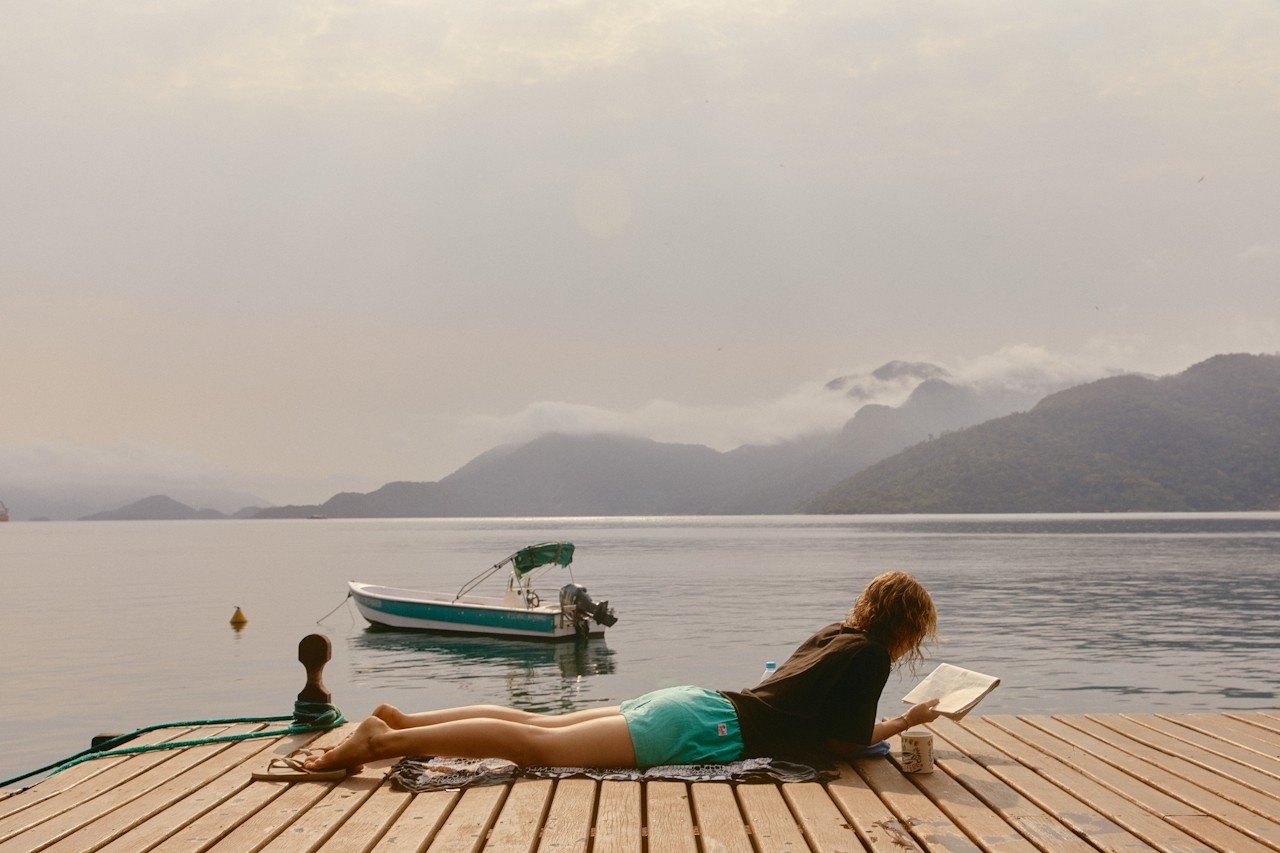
(307, 717)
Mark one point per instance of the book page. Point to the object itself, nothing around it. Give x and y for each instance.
(958, 690)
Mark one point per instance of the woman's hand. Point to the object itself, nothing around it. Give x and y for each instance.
(922, 713)
(917, 716)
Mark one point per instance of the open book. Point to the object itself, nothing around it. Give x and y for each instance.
(958, 689)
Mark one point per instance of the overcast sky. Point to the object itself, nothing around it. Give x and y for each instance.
(311, 246)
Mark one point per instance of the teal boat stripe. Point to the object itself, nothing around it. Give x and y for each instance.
(456, 614)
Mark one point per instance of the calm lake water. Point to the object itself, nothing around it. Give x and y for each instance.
(110, 626)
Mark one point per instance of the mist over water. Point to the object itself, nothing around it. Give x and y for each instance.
(116, 625)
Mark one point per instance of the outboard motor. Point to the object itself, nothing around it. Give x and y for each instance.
(574, 599)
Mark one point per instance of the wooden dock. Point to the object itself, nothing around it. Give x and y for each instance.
(1061, 783)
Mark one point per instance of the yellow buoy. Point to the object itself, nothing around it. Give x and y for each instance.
(238, 618)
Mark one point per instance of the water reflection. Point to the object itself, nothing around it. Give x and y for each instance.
(1176, 620)
(545, 677)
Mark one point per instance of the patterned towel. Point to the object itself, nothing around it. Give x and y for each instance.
(420, 773)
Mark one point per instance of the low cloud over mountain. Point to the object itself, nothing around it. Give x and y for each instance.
(578, 472)
(812, 408)
(761, 456)
(1206, 439)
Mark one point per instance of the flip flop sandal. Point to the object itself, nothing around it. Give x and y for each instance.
(291, 769)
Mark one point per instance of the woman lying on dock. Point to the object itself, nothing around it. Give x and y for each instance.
(821, 702)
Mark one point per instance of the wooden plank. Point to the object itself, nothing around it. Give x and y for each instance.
(363, 829)
(322, 818)
(64, 791)
(467, 825)
(1267, 724)
(1165, 793)
(823, 826)
(772, 824)
(719, 820)
(205, 765)
(264, 806)
(1254, 738)
(878, 828)
(1048, 783)
(1266, 735)
(57, 785)
(1257, 747)
(48, 788)
(1269, 720)
(205, 831)
(417, 825)
(1123, 782)
(974, 818)
(1038, 826)
(1246, 809)
(1179, 802)
(1062, 766)
(1052, 737)
(1208, 826)
(229, 802)
(249, 829)
(1176, 745)
(199, 798)
(1210, 744)
(923, 819)
(519, 823)
(670, 817)
(1210, 741)
(619, 820)
(568, 824)
(91, 813)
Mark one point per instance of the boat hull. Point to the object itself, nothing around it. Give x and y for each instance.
(414, 610)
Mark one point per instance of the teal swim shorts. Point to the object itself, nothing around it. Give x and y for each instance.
(683, 725)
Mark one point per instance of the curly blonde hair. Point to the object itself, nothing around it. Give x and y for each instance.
(897, 612)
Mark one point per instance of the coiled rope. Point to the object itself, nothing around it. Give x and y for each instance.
(307, 717)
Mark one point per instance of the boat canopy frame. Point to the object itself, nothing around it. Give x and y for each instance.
(544, 555)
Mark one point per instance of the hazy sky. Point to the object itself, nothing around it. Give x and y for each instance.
(310, 246)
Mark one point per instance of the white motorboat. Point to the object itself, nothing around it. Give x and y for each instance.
(566, 613)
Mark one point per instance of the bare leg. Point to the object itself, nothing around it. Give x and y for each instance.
(603, 741)
(397, 719)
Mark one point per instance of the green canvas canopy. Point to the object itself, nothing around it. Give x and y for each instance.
(560, 553)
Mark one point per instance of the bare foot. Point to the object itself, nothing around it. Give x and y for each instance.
(353, 752)
(392, 716)
(313, 753)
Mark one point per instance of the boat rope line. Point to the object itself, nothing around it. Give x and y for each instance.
(344, 600)
(306, 717)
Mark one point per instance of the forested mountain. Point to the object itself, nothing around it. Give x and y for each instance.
(1205, 439)
(615, 475)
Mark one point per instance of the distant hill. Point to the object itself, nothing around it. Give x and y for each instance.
(154, 508)
(1207, 439)
(549, 476)
(576, 475)
(76, 500)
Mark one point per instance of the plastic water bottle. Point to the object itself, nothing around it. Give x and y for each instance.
(770, 667)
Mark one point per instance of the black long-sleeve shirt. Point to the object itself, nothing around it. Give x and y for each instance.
(828, 689)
